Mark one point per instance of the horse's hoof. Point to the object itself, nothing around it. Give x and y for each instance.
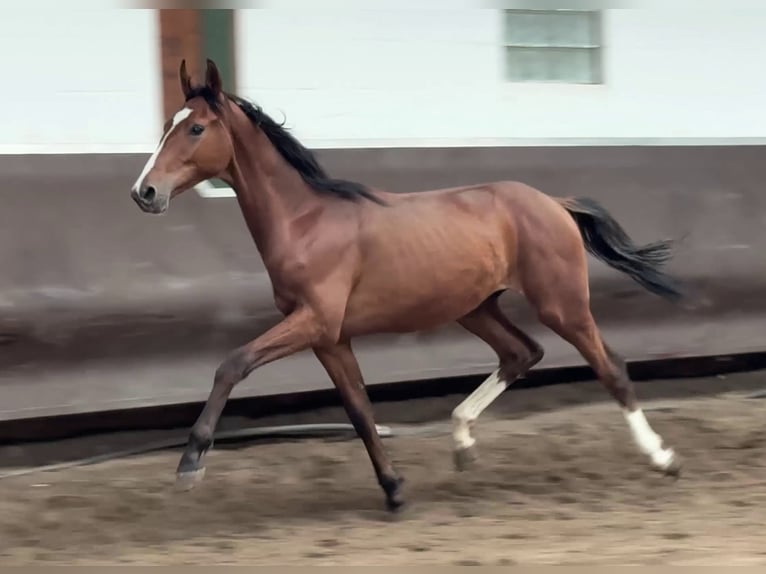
(671, 468)
(465, 458)
(395, 502)
(185, 481)
(674, 468)
(394, 496)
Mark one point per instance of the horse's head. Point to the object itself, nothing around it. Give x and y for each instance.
(196, 145)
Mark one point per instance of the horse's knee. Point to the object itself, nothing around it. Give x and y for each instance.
(536, 354)
(235, 367)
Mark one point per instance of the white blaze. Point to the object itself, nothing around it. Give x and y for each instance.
(180, 116)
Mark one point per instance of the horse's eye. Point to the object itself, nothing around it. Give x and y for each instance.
(197, 129)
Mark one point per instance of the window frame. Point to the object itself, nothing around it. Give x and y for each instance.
(595, 49)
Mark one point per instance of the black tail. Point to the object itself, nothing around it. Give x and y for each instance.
(606, 240)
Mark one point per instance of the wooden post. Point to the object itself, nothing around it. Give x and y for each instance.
(180, 37)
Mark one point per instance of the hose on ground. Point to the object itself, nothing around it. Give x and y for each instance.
(319, 430)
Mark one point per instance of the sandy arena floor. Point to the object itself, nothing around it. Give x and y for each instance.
(559, 481)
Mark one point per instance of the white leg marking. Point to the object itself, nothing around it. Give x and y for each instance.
(648, 441)
(180, 116)
(469, 410)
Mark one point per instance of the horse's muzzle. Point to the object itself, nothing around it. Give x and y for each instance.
(149, 201)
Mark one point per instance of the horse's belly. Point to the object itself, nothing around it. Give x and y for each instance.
(434, 266)
(416, 299)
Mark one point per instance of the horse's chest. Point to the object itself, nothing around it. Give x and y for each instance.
(288, 280)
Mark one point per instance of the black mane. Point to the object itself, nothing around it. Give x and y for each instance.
(299, 157)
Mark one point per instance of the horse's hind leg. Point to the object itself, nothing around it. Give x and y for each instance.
(517, 353)
(562, 304)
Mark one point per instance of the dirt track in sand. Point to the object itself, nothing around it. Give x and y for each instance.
(558, 482)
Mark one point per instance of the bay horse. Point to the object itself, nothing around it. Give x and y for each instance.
(346, 260)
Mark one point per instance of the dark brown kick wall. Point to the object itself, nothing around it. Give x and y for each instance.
(87, 280)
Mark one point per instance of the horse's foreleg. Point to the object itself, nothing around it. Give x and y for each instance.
(342, 367)
(517, 353)
(298, 331)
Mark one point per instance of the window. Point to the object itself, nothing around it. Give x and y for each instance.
(552, 46)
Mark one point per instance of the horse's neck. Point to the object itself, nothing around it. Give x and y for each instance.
(270, 192)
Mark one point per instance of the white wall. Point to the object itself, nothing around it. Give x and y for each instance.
(434, 77)
(79, 81)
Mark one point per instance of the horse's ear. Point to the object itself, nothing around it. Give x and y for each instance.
(186, 85)
(213, 78)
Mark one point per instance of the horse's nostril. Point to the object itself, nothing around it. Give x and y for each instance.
(148, 194)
